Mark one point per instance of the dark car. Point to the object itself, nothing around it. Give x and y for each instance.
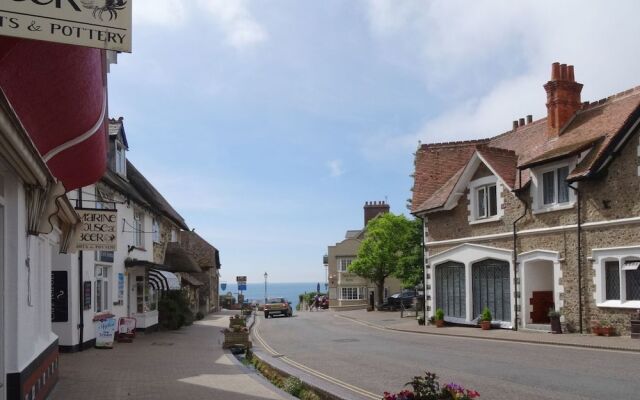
(277, 305)
(404, 299)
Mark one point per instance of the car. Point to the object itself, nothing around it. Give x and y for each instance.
(277, 305)
(404, 299)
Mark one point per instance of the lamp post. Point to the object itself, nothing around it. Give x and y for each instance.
(265, 287)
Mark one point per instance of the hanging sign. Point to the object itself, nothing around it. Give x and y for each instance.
(98, 230)
(59, 296)
(103, 24)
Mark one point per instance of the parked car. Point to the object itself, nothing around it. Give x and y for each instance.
(277, 305)
(405, 298)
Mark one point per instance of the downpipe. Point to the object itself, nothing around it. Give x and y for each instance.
(578, 197)
(515, 254)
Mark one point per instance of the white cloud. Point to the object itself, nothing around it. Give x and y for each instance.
(485, 62)
(236, 21)
(159, 12)
(233, 17)
(335, 168)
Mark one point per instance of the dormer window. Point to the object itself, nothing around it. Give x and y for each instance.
(550, 188)
(121, 159)
(486, 201)
(555, 189)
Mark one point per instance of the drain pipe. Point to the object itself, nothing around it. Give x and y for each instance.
(80, 287)
(424, 279)
(515, 251)
(575, 189)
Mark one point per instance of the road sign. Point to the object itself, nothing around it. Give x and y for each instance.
(241, 279)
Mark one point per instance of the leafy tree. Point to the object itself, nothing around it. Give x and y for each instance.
(391, 247)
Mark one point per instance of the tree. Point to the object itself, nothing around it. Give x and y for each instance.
(391, 247)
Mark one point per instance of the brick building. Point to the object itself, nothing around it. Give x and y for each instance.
(545, 215)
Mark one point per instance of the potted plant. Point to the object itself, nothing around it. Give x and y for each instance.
(554, 317)
(439, 317)
(595, 327)
(421, 320)
(607, 329)
(485, 319)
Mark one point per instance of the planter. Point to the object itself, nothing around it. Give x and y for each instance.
(439, 323)
(236, 338)
(236, 322)
(485, 325)
(555, 325)
(635, 329)
(607, 331)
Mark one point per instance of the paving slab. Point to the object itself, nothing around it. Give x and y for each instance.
(184, 364)
(393, 321)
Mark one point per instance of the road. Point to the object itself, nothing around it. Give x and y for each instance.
(379, 360)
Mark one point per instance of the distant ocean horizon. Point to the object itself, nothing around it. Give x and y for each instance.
(288, 290)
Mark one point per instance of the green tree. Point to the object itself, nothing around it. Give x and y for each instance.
(391, 247)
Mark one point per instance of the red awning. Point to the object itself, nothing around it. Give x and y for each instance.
(59, 94)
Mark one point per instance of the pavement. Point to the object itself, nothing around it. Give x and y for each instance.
(393, 321)
(185, 364)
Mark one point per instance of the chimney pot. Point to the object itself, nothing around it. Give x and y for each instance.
(521, 123)
(529, 119)
(515, 125)
(570, 74)
(555, 71)
(563, 72)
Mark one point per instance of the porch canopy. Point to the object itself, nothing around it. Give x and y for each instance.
(163, 280)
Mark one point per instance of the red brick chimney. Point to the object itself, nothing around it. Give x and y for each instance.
(563, 98)
(374, 208)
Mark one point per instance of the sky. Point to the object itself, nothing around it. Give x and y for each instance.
(269, 124)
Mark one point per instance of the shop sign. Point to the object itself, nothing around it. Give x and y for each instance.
(105, 332)
(103, 24)
(120, 288)
(99, 229)
(59, 296)
(242, 283)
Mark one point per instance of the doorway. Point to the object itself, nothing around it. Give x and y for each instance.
(538, 291)
(491, 289)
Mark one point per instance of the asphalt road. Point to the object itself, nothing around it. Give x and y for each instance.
(379, 360)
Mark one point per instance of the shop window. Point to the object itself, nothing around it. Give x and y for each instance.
(104, 256)
(142, 295)
(352, 293)
(102, 288)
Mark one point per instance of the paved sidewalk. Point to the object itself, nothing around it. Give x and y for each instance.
(392, 320)
(184, 364)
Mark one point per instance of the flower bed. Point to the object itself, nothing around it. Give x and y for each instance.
(427, 387)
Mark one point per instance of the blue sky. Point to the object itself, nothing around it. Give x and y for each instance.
(268, 124)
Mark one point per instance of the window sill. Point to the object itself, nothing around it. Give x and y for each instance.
(554, 208)
(634, 304)
(484, 220)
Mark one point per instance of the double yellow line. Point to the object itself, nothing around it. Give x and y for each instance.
(317, 374)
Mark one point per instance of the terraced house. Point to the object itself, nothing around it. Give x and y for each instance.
(543, 216)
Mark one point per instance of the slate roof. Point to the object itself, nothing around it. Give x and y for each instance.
(597, 126)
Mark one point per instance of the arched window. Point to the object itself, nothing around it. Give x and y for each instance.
(450, 289)
(490, 288)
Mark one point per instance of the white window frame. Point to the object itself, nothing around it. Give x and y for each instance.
(474, 187)
(343, 263)
(357, 292)
(156, 230)
(138, 229)
(174, 235)
(121, 159)
(103, 256)
(621, 255)
(537, 187)
(102, 274)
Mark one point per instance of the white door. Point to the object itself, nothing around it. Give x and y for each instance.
(2, 335)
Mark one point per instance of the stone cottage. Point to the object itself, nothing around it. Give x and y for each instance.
(543, 216)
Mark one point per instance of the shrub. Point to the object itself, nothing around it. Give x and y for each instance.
(486, 315)
(439, 314)
(173, 310)
(293, 386)
(199, 315)
(427, 387)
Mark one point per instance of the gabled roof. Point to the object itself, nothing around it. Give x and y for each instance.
(596, 132)
(116, 127)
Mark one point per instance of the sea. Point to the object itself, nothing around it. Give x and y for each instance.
(290, 291)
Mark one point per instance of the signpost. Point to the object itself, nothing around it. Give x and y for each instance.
(242, 283)
(103, 24)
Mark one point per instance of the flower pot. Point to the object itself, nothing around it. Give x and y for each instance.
(607, 330)
(555, 325)
(485, 325)
(439, 323)
(635, 328)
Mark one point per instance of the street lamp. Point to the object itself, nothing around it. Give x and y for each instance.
(265, 287)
